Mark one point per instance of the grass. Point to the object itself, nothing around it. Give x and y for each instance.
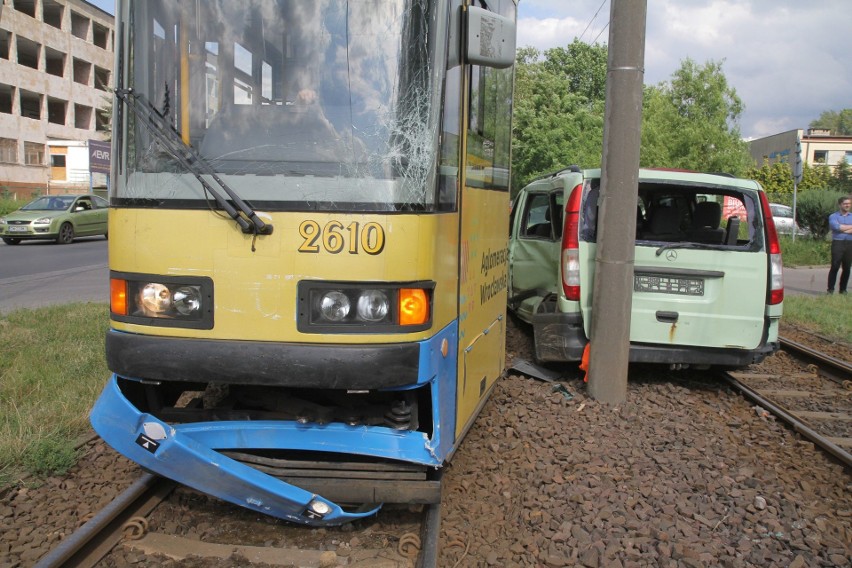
(828, 315)
(804, 251)
(52, 369)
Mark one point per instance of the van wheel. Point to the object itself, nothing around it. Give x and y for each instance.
(11, 241)
(66, 234)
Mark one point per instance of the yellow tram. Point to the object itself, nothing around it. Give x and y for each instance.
(308, 234)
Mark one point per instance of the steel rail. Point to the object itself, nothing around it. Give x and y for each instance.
(830, 364)
(429, 537)
(792, 420)
(86, 546)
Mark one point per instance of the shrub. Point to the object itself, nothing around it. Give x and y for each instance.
(804, 251)
(813, 209)
(9, 205)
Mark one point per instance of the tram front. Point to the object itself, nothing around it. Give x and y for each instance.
(285, 235)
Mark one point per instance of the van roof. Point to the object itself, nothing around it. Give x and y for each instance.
(670, 175)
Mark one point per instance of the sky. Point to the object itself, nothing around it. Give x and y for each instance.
(788, 60)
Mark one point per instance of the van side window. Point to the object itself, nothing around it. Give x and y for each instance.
(537, 224)
(557, 207)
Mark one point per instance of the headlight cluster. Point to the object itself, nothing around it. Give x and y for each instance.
(329, 307)
(172, 301)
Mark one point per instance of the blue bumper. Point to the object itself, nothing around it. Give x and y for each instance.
(189, 453)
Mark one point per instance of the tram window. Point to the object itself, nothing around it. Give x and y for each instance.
(448, 171)
(489, 123)
(314, 92)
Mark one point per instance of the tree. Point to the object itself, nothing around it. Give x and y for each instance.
(558, 115)
(842, 179)
(776, 179)
(583, 65)
(839, 123)
(690, 122)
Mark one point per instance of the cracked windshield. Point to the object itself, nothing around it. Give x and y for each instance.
(293, 103)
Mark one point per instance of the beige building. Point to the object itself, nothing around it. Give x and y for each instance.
(56, 62)
(818, 147)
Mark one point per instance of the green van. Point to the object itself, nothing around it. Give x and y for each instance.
(707, 285)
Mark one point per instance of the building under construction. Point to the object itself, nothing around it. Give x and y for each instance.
(56, 65)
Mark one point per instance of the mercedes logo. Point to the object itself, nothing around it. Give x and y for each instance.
(671, 255)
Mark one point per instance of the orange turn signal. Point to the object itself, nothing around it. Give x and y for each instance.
(118, 296)
(413, 306)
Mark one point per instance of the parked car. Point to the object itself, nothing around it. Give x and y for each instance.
(783, 217)
(707, 285)
(56, 217)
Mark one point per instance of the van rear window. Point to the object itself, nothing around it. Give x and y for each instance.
(667, 212)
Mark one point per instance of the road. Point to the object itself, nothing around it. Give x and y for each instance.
(41, 273)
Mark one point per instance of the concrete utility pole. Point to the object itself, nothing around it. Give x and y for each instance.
(613, 289)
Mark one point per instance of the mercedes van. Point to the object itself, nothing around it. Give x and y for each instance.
(707, 284)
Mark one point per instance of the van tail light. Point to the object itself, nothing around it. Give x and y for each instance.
(775, 294)
(571, 246)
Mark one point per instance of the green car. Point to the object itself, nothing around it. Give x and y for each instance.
(56, 217)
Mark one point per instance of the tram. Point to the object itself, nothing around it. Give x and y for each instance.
(308, 232)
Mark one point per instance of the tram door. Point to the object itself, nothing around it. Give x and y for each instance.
(484, 230)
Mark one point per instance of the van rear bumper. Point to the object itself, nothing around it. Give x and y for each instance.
(561, 337)
(691, 355)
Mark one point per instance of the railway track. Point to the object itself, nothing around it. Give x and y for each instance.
(91, 542)
(127, 524)
(834, 368)
(816, 402)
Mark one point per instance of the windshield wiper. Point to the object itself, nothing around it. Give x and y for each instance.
(670, 246)
(193, 162)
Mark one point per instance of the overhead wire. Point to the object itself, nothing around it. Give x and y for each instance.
(600, 32)
(592, 20)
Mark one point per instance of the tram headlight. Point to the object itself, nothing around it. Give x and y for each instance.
(162, 300)
(337, 307)
(187, 300)
(373, 305)
(334, 306)
(155, 298)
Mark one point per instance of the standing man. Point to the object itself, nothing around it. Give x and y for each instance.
(840, 223)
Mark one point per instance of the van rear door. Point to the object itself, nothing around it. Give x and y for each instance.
(701, 266)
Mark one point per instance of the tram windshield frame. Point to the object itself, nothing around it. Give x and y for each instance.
(295, 104)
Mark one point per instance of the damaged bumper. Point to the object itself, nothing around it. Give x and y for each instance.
(192, 454)
(227, 458)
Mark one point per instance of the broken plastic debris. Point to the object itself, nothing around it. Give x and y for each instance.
(762, 412)
(534, 371)
(559, 387)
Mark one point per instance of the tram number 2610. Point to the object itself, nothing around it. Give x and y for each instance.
(335, 237)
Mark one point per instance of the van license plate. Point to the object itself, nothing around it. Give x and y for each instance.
(668, 284)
